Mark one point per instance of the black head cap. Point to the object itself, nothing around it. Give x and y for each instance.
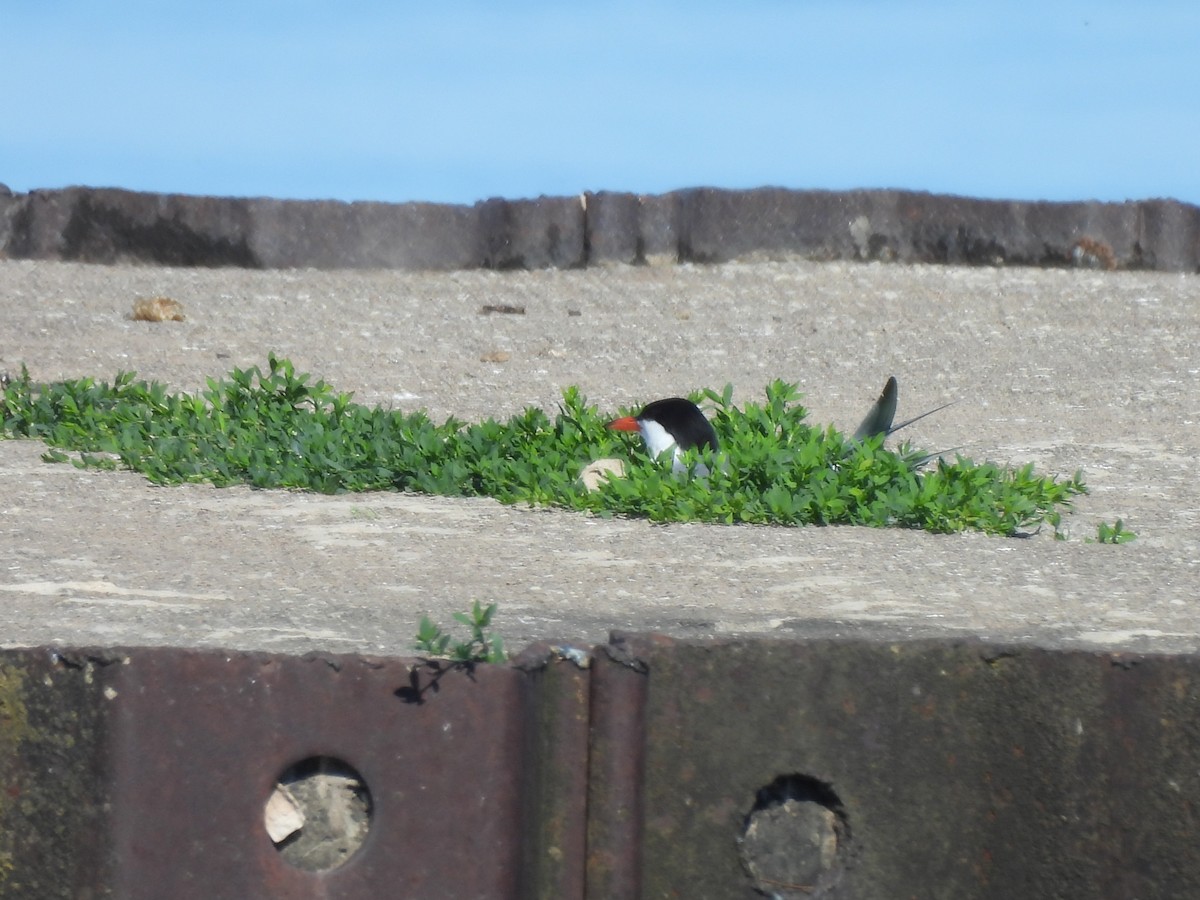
(684, 421)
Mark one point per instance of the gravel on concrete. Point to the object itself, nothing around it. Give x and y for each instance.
(1065, 369)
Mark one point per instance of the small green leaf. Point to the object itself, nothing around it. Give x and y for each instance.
(1114, 534)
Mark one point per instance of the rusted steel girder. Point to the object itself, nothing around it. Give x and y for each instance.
(650, 767)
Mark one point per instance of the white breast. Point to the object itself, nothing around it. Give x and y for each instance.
(658, 441)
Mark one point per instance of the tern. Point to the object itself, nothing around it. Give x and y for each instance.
(678, 424)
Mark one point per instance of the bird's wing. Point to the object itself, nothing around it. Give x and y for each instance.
(879, 417)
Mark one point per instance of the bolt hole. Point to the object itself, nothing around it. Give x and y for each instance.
(794, 837)
(319, 813)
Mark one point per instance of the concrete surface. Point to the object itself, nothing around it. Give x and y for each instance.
(1064, 369)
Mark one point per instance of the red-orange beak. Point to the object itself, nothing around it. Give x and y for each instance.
(626, 423)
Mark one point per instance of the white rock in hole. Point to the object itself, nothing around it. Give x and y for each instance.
(283, 816)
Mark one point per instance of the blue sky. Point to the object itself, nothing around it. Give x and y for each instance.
(457, 102)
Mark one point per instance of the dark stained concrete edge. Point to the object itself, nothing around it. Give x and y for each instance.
(948, 768)
(109, 225)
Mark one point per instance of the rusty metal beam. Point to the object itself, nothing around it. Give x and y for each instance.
(650, 767)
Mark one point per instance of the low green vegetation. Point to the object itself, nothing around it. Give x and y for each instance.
(481, 646)
(1114, 534)
(281, 429)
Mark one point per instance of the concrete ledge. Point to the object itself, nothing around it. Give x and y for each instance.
(694, 225)
(835, 768)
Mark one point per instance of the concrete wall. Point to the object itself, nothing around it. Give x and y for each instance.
(696, 225)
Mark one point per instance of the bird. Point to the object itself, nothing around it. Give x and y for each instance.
(879, 421)
(672, 423)
(879, 417)
(678, 423)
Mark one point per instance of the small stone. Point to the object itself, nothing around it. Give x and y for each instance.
(157, 309)
(597, 472)
(283, 816)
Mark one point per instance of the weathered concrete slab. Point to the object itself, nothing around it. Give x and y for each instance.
(112, 226)
(115, 226)
(328, 235)
(1066, 370)
(693, 225)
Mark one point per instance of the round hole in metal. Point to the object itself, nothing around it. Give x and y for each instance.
(319, 813)
(794, 839)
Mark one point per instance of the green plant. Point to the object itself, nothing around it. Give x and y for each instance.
(1113, 534)
(481, 646)
(281, 429)
(1055, 522)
